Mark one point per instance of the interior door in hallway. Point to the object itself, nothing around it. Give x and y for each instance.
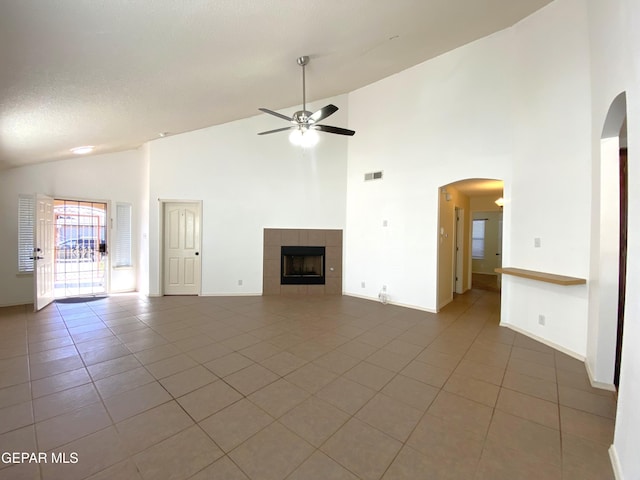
(181, 258)
(43, 252)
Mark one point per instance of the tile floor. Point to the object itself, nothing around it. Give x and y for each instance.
(292, 388)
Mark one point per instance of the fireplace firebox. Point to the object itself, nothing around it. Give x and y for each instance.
(302, 265)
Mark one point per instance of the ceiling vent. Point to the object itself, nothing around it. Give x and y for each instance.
(373, 176)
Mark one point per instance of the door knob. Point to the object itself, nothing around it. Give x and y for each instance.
(197, 253)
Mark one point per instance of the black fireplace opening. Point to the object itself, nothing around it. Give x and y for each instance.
(302, 265)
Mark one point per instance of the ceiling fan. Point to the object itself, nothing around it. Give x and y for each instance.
(305, 124)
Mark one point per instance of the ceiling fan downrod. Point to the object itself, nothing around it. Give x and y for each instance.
(303, 61)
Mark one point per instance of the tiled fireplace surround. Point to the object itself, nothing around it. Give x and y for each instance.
(275, 238)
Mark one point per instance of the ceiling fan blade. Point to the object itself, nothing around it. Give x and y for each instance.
(276, 130)
(338, 130)
(271, 112)
(323, 113)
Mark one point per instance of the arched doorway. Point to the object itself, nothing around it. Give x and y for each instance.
(609, 257)
(461, 248)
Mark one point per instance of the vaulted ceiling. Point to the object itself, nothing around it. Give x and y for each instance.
(116, 73)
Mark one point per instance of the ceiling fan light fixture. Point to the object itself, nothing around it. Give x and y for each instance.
(83, 150)
(304, 137)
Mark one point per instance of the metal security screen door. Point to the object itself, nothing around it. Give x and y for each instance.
(81, 248)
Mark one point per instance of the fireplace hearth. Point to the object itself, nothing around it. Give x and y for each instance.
(302, 265)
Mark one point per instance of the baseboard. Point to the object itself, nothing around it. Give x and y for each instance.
(548, 343)
(595, 384)
(390, 302)
(615, 463)
(235, 294)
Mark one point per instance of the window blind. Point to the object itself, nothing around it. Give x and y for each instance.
(26, 214)
(122, 253)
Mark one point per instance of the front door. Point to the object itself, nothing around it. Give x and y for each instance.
(43, 252)
(182, 248)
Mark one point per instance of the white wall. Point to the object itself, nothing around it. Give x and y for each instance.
(550, 195)
(442, 121)
(247, 183)
(113, 178)
(615, 67)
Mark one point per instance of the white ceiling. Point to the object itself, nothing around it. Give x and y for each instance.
(115, 73)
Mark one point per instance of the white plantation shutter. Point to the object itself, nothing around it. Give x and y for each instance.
(26, 214)
(122, 252)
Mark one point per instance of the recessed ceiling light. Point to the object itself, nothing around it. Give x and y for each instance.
(164, 134)
(82, 150)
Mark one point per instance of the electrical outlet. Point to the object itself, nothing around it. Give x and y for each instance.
(542, 320)
(537, 242)
(362, 284)
(239, 283)
(384, 288)
(385, 223)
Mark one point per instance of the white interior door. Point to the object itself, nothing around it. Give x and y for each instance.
(44, 252)
(182, 265)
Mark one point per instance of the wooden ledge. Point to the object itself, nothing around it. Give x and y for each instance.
(541, 276)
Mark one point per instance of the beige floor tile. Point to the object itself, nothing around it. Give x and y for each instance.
(370, 375)
(476, 390)
(536, 387)
(438, 438)
(362, 449)
(584, 424)
(314, 420)
(208, 352)
(179, 456)
(21, 471)
(42, 370)
(283, 363)
(311, 377)
(234, 424)
(504, 463)
(57, 383)
(461, 412)
(439, 359)
(132, 402)
(271, 454)
(112, 367)
(157, 353)
(104, 354)
(389, 360)
(260, 351)
(411, 392)
(65, 401)
(412, 465)
(170, 366)
(598, 404)
(479, 371)
(531, 369)
(152, 426)
(187, 381)
(346, 394)
(126, 470)
(18, 440)
(15, 394)
(585, 459)
(336, 362)
(221, 469)
(357, 349)
(390, 416)
(250, 379)
(538, 443)
(208, 400)
(426, 373)
(65, 428)
(121, 382)
(528, 407)
(95, 452)
(278, 397)
(228, 364)
(320, 467)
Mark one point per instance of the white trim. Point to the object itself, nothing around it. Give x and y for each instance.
(548, 343)
(235, 294)
(396, 304)
(615, 463)
(595, 384)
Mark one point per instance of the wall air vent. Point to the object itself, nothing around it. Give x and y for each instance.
(373, 176)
